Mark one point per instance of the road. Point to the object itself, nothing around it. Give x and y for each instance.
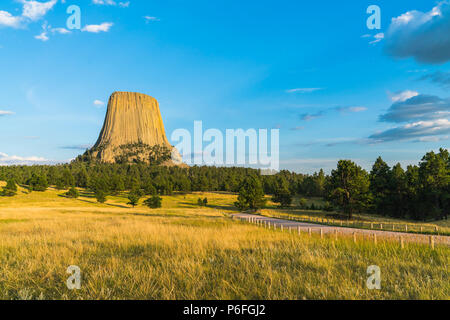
(294, 226)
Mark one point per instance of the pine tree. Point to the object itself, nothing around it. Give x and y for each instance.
(134, 196)
(10, 189)
(349, 185)
(380, 187)
(100, 196)
(73, 193)
(282, 194)
(251, 195)
(154, 202)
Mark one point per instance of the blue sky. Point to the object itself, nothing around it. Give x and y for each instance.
(334, 88)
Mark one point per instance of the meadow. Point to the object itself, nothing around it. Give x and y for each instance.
(183, 251)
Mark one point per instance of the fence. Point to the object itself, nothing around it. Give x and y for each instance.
(369, 225)
(331, 232)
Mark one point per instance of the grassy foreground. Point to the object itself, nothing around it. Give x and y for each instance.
(185, 252)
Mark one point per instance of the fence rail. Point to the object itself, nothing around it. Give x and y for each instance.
(336, 233)
(369, 225)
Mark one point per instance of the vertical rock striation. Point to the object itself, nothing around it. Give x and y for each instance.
(133, 123)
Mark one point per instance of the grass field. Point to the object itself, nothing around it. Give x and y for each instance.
(182, 251)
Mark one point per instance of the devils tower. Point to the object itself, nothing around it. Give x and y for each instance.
(133, 131)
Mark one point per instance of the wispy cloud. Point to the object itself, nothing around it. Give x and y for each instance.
(321, 113)
(440, 78)
(96, 28)
(5, 113)
(98, 103)
(111, 3)
(351, 109)
(151, 19)
(376, 38)
(43, 35)
(104, 2)
(311, 116)
(77, 147)
(303, 90)
(60, 30)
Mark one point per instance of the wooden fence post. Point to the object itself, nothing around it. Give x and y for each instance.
(402, 242)
(406, 228)
(335, 234)
(309, 232)
(321, 233)
(354, 237)
(375, 238)
(432, 242)
(381, 226)
(299, 231)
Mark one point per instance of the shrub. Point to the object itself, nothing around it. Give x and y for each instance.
(154, 202)
(72, 193)
(100, 196)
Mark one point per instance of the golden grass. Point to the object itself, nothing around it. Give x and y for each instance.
(185, 252)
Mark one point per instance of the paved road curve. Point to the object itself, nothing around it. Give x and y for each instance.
(305, 226)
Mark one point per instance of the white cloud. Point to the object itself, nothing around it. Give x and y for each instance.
(35, 10)
(357, 109)
(303, 90)
(96, 28)
(43, 36)
(150, 18)
(403, 95)
(416, 130)
(98, 103)
(8, 20)
(378, 37)
(421, 35)
(5, 113)
(351, 109)
(104, 2)
(31, 11)
(60, 30)
(111, 3)
(6, 159)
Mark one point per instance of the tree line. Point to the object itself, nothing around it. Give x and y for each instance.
(421, 192)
